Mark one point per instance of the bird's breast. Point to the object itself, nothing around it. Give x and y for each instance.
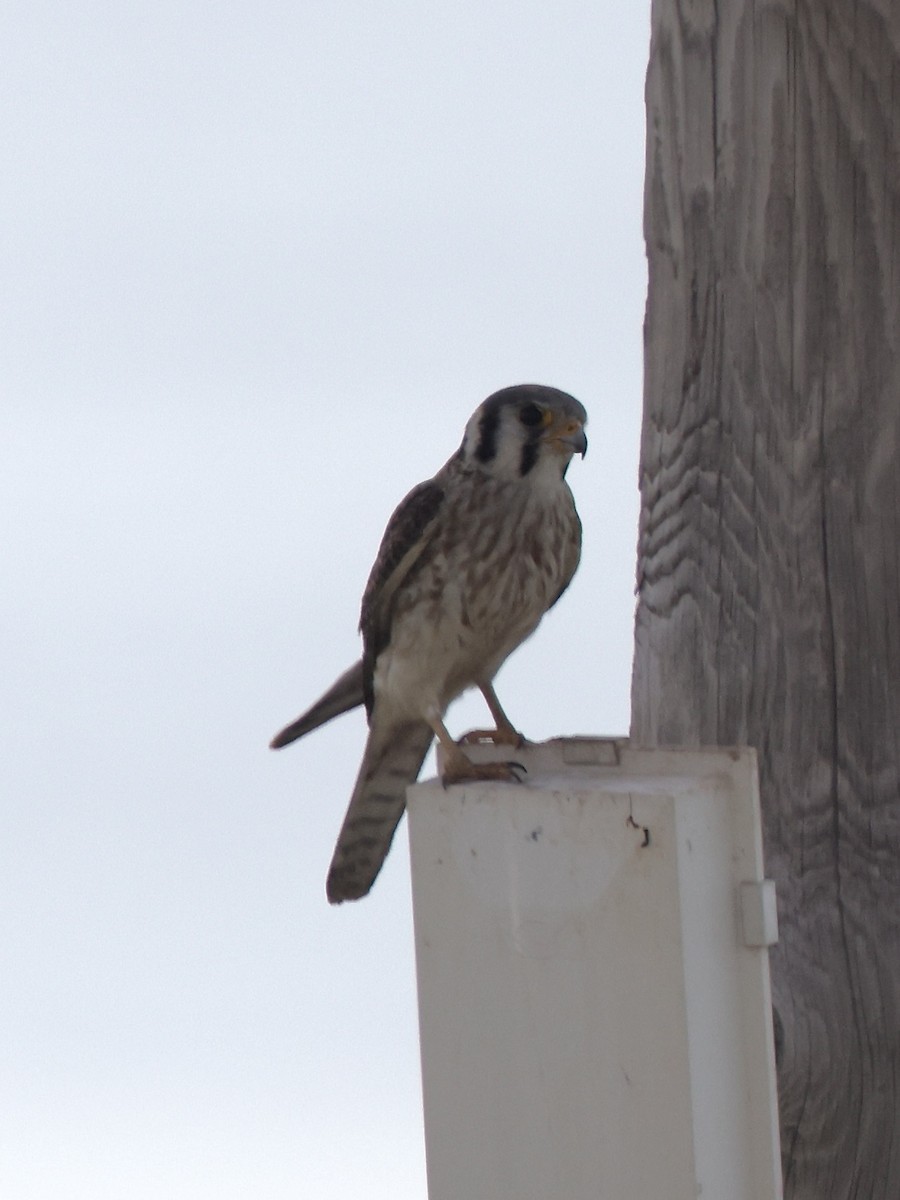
(494, 567)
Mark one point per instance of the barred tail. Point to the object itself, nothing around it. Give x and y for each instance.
(392, 761)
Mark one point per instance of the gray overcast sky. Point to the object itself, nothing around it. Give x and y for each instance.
(260, 263)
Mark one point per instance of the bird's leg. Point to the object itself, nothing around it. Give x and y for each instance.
(458, 768)
(504, 733)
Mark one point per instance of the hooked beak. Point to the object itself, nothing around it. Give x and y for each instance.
(569, 432)
(577, 440)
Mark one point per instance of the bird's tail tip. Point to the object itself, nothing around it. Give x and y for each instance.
(338, 889)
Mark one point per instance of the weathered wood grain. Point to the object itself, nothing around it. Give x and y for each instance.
(769, 558)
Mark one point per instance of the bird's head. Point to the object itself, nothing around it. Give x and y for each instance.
(525, 431)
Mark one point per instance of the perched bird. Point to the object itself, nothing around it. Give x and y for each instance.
(469, 563)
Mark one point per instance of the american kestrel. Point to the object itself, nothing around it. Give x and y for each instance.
(469, 563)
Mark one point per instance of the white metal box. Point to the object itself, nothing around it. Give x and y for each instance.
(594, 1023)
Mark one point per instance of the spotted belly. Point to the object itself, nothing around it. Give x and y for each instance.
(461, 618)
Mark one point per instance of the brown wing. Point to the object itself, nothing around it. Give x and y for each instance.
(404, 540)
(344, 694)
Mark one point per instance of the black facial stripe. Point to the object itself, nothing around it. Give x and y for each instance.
(487, 434)
(529, 456)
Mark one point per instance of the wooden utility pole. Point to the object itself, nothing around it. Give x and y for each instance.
(769, 561)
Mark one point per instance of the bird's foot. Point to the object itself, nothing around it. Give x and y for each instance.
(502, 736)
(460, 769)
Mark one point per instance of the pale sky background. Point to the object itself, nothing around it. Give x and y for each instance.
(259, 264)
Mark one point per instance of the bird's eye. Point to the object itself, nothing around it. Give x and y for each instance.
(531, 415)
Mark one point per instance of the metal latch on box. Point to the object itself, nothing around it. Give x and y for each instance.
(759, 913)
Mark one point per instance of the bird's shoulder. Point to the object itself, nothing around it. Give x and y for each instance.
(407, 535)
